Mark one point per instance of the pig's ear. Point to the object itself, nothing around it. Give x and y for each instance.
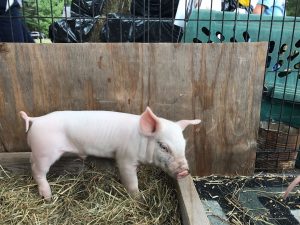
(184, 123)
(149, 123)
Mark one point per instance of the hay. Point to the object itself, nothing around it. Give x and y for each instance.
(91, 197)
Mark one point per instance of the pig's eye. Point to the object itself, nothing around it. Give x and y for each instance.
(163, 146)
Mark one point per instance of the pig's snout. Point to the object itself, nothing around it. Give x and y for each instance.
(182, 174)
(183, 170)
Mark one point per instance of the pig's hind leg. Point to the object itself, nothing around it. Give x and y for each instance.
(40, 165)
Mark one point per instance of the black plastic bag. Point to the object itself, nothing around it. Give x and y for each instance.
(71, 30)
(116, 28)
(154, 8)
(229, 5)
(157, 31)
(87, 8)
(121, 28)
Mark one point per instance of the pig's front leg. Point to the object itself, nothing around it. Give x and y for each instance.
(129, 178)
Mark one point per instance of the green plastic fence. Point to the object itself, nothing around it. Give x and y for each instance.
(283, 60)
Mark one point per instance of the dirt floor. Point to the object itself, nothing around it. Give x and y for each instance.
(249, 200)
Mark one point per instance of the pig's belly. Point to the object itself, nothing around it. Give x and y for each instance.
(99, 152)
(93, 149)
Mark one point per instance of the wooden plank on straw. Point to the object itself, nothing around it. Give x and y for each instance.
(19, 163)
(192, 210)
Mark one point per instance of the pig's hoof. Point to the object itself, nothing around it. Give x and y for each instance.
(138, 197)
(48, 199)
(45, 196)
(135, 195)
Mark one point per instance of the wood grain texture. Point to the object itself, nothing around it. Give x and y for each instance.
(227, 96)
(19, 163)
(191, 207)
(218, 83)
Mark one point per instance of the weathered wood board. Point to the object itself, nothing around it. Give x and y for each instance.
(19, 163)
(191, 207)
(218, 83)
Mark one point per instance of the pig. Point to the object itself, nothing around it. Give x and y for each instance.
(291, 187)
(129, 139)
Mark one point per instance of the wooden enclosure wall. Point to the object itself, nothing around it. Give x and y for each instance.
(219, 83)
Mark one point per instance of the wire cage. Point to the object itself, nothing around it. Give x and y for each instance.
(185, 21)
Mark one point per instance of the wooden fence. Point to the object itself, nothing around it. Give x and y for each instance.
(219, 83)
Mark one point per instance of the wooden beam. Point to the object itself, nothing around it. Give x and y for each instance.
(192, 210)
(19, 163)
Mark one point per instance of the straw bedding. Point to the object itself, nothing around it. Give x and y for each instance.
(91, 197)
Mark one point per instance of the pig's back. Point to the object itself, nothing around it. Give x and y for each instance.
(98, 133)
